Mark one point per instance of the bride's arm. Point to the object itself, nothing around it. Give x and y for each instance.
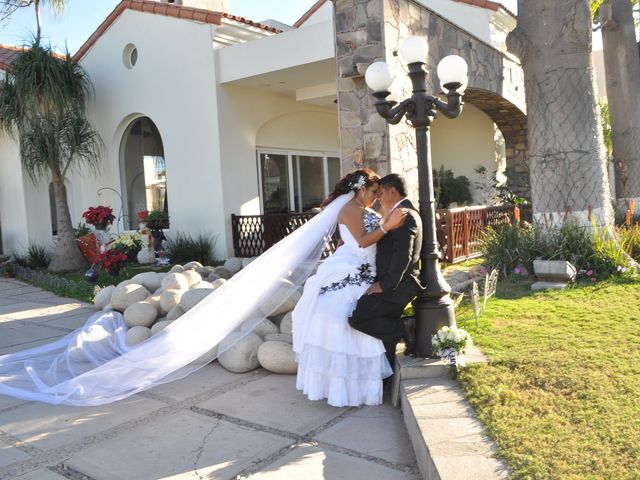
(351, 216)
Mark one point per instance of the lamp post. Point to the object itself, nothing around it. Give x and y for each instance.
(433, 307)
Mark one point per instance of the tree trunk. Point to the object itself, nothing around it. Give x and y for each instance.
(67, 255)
(566, 152)
(36, 5)
(622, 75)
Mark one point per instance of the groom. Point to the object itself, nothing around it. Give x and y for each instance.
(398, 252)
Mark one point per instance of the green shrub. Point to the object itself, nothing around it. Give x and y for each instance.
(609, 256)
(508, 246)
(184, 248)
(128, 243)
(36, 256)
(630, 240)
(449, 188)
(81, 230)
(569, 241)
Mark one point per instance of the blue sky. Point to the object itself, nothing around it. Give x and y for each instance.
(82, 17)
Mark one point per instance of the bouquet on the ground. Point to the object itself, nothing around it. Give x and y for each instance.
(99, 216)
(450, 343)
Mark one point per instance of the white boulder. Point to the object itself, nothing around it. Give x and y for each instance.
(127, 294)
(140, 314)
(218, 283)
(175, 281)
(283, 300)
(103, 297)
(175, 312)
(155, 301)
(205, 271)
(278, 337)
(234, 265)
(107, 308)
(264, 327)
(247, 261)
(212, 277)
(223, 272)
(169, 299)
(286, 324)
(159, 325)
(137, 335)
(192, 265)
(149, 280)
(177, 269)
(204, 284)
(277, 357)
(192, 277)
(192, 297)
(240, 352)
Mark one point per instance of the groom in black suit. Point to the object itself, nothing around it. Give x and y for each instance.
(398, 252)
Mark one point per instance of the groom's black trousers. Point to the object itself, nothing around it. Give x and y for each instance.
(379, 318)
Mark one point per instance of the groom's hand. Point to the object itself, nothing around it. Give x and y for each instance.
(374, 288)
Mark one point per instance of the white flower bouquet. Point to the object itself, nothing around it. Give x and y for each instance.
(450, 343)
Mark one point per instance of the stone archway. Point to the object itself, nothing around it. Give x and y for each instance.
(496, 84)
(512, 122)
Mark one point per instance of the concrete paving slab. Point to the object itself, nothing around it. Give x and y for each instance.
(9, 402)
(183, 446)
(207, 378)
(40, 312)
(274, 401)
(12, 334)
(41, 474)
(25, 346)
(377, 431)
(10, 454)
(47, 426)
(17, 309)
(70, 322)
(314, 463)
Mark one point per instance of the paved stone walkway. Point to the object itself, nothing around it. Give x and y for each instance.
(212, 424)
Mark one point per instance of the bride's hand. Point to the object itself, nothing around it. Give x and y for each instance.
(395, 218)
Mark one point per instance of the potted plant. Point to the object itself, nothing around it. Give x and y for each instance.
(100, 217)
(156, 221)
(113, 261)
(128, 243)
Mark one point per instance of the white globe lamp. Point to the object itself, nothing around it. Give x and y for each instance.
(452, 70)
(414, 49)
(378, 77)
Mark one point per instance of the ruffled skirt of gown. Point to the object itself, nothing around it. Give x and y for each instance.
(335, 361)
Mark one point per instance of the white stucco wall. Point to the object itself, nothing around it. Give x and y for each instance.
(464, 143)
(255, 118)
(323, 14)
(173, 83)
(473, 19)
(13, 205)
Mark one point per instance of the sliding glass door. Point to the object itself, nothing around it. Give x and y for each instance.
(293, 181)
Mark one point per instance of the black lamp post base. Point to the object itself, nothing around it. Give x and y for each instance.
(431, 315)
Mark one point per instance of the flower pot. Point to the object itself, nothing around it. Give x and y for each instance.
(101, 226)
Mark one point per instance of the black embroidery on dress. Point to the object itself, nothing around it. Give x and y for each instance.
(364, 275)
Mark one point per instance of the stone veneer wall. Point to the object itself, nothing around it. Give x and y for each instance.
(370, 30)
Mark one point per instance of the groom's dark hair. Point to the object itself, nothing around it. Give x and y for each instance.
(396, 181)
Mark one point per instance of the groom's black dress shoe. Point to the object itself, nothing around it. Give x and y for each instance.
(409, 336)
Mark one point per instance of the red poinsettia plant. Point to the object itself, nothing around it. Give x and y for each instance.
(142, 216)
(99, 216)
(113, 261)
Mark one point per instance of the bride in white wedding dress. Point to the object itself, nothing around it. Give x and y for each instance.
(336, 362)
(93, 365)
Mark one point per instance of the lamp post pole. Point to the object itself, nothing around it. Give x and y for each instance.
(433, 307)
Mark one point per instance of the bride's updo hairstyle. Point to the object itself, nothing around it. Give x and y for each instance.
(352, 182)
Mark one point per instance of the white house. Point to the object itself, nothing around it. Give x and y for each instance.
(206, 114)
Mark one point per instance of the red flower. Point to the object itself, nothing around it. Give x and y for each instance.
(142, 216)
(113, 261)
(99, 215)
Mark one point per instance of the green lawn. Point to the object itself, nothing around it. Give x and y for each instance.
(561, 393)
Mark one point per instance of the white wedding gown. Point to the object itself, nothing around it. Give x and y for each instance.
(94, 366)
(336, 362)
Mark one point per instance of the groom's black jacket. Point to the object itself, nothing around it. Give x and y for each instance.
(398, 253)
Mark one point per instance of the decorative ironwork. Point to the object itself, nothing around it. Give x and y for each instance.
(254, 234)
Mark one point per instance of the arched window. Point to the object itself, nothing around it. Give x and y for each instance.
(142, 171)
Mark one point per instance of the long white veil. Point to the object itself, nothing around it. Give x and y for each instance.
(94, 366)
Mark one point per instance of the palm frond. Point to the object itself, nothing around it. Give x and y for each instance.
(81, 144)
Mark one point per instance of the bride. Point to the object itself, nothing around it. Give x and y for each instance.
(93, 365)
(336, 362)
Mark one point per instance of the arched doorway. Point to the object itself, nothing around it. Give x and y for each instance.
(142, 171)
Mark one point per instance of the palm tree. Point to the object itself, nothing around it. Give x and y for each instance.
(42, 104)
(8, 7)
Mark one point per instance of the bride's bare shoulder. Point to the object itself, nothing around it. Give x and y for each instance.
(349, 211)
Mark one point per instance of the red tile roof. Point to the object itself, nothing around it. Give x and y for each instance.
(8, 54)
(168, 10)
(488, 4)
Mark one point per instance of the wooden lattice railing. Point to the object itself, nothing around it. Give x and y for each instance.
(459, 230)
